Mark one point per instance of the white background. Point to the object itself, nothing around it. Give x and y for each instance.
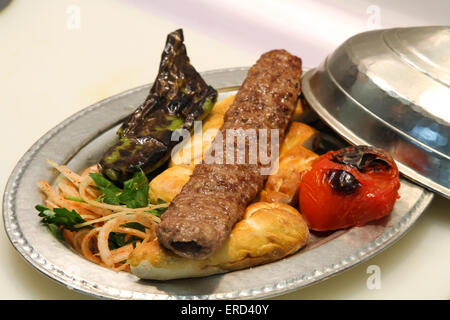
(51, 69)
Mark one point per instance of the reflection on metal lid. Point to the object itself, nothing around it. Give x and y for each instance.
(437, 102)
(391, 88)
(425, 48)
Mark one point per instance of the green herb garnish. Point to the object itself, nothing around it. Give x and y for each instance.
(110, 192)
(133, 195)
(135, 191)
(60, 217)
(117, 239)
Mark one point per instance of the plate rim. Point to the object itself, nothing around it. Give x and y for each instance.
(20, 243)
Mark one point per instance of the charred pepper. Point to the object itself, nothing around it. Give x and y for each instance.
(178, 97)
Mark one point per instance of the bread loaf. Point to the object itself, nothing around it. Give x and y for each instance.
(295, 157)
(268, 232)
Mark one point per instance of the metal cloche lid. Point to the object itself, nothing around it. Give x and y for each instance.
(391, 89)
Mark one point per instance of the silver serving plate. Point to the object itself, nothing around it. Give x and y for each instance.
(80, 141)
(391, 89)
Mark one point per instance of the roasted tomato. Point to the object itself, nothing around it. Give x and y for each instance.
(349, 187)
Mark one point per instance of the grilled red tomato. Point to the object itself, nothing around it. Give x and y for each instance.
(349, 187)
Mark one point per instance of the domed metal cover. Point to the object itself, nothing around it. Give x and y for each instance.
(391, 89)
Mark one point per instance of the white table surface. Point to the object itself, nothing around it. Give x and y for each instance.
(51, 69)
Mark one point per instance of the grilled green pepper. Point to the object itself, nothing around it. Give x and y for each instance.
(179, 96)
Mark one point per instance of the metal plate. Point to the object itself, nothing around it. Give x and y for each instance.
(81, 139)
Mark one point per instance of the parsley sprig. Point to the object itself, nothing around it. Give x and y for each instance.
(133, 195)
(118, 239)
(60, 217)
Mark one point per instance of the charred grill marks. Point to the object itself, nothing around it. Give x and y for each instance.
(178, 97)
